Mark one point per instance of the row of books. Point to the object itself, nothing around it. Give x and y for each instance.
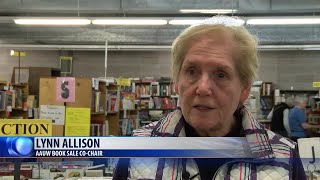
(128, 100)
(112, 101)
(154, 89)
(266, 103)
(96, 102)
(12, 98)
(266, 89)
(97, 129)
(158, 103)
(127, 125)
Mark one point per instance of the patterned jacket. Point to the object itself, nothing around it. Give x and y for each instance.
(273, 154)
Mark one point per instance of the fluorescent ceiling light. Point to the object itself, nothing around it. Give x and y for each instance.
(50, 21)
(129, 21)
(198, 21)
(209, 11)
(185, 21)
(283, 21)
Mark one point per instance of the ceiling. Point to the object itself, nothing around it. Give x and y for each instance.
(20, 35)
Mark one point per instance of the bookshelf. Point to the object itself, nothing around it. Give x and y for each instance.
(108, 114)
(112, 115)
(13, 100)
(89, 93)
(266, 98)
(154, 99)
(99, 125)
(155, 95)
(2, 103)
(127, 106)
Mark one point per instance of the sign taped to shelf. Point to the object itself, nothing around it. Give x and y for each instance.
(316, 84)
(55, 113)
(65, 91)
(124, 81)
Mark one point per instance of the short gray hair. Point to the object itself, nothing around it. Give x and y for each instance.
(290, 101)
(299, 99)
(245, 56)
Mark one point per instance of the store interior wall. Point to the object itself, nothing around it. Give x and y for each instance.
(286, 69)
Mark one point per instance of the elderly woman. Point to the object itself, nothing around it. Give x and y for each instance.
(214, 65)
(298, 119)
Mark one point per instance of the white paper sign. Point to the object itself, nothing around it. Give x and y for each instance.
(55, 113)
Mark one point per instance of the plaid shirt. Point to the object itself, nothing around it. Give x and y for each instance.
(271, 152)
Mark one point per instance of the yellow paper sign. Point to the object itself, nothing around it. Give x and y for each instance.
(123, 81)
(77, 122)
(18, 53)
(316, 84)
(25, 127)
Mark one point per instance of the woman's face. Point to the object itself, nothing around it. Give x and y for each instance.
(209, 86)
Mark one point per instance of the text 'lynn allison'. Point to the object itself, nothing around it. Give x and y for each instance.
(68, 143)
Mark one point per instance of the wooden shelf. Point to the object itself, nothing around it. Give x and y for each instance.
(154, 109)
(142, 82)
(165, 82)
(299, 91)
(98, 113)
(172, 96)
(145, 96)
(130, 109)
(19, 85)
(18, 109)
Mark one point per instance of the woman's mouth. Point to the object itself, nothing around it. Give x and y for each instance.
(203, 107)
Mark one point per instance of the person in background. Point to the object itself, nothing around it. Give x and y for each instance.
(298, 119)
(279, 117)
(213, 66)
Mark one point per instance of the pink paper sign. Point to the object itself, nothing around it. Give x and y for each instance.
(65, 91)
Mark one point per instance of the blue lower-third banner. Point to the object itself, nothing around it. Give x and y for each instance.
(213, 147)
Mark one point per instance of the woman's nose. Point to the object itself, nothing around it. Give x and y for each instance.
(204, 86)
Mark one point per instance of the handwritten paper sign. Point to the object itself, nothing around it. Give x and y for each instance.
(65, 91)
(55, 113)
(77, 122)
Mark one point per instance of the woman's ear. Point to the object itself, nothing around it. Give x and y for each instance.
(176, 89)
(245, 92)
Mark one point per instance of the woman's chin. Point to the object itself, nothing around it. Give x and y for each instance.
(204, 126)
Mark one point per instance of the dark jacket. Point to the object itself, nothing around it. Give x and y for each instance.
(277, 117)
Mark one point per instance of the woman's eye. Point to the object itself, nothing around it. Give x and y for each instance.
(221, 75)
(191, 71)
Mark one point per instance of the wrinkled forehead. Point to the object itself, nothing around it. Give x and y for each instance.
(215, 36)
(211, 41)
